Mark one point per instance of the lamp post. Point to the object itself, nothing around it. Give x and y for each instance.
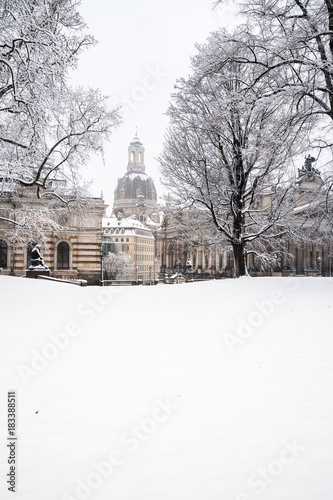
(329, 264)
(136, 273)
(319, 265)
(150, 268)
(177, 264)
(102, 273)
(154, 275)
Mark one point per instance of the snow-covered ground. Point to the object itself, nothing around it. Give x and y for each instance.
(217, 390)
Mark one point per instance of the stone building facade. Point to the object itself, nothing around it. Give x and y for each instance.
(71, 248)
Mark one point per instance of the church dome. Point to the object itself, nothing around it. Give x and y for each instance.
(135, 185)
(135, 194)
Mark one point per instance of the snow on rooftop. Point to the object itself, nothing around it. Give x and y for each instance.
(124, 222)
(223, 390)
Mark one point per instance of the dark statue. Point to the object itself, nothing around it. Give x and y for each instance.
(36, 258)
(307, 168)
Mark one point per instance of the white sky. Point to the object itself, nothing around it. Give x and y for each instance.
(144, 46)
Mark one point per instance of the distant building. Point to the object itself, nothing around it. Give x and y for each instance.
(122, 234)
(135, 194)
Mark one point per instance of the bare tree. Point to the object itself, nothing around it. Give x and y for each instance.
(118, 266)
(295, 42)
(229, 145)
(46, 126)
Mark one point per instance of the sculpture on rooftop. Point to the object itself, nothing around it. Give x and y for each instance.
(307, 168)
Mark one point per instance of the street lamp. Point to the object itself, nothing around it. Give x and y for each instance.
(150, 268)
(102, 273)
(177, 264)
(136, 273)
(154, 275)
(329, 264)
(319, 265)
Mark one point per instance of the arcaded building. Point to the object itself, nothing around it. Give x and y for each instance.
(303, 258)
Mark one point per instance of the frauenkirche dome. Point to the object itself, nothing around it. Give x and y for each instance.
(136, 190)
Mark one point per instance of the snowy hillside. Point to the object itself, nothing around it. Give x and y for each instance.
(218, 390)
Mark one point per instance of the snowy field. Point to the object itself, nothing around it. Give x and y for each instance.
(217, 390)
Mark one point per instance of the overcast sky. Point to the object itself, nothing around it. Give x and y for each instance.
(144, 46)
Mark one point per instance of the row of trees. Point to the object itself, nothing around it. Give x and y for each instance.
(254, 102)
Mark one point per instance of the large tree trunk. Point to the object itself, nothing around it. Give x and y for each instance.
(239, 259)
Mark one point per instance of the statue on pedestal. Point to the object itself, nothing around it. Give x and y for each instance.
(189, 268)
(307, 168)
(36, 258)
(37, 267)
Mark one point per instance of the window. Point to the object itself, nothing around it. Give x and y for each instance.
(3, 254)
(63, 255)
(109, 248)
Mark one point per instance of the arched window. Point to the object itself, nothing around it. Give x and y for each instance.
(132, 157)
(140, 157)
(63, 255)
(3, 254)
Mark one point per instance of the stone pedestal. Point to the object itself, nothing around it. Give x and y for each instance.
(35, 272)
(189, 275)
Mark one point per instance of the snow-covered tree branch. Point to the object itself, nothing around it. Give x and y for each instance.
(46, 127)
(118, 266)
